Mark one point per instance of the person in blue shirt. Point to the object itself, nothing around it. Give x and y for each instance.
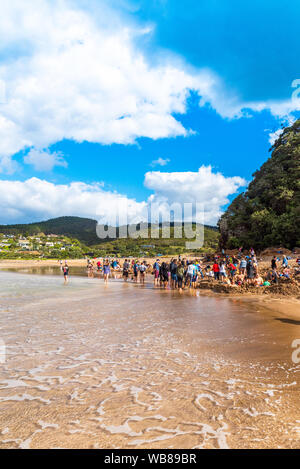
(156, 267)
(106, 271)
(243, 265)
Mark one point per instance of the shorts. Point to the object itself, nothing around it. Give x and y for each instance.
(194, 279)
(125, 273)
(174, 277)
(156, 274)
(189, 278)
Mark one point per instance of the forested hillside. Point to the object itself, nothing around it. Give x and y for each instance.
(83, 229)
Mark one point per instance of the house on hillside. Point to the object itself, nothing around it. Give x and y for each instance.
(4, 243)
(24, 244)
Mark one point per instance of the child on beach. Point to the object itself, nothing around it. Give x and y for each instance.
(106, 271)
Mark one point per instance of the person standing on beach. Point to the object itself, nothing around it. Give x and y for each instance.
(274, 263)
(180, 275)
(136, 267)
(216, 270)
(195, 275)
(250, 271)
(142, 269)
(156, 267)
(222, 272)
(106, 271)
(125, 270)
(190, 274)
(173, 270)
(232, 269)
(243, 265)
(66, 270)
(164, 274)
(91, 270)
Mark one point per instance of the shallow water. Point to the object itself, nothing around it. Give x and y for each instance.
(50, 270)
(127, 366)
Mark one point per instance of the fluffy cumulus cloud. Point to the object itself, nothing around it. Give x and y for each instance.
(37, 199)
(69, 75)
(44, 160)
(205, 187)
(71, 78)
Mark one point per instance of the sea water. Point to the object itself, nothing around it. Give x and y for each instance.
(131, 366)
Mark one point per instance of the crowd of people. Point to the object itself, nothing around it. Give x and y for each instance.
(232, 270)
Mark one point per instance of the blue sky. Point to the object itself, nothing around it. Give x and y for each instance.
(253, 45)
(124, 99)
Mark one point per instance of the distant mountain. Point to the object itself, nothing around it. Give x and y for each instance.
(84, 230)
(268, 213)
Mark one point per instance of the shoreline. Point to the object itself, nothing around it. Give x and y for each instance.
(20, 263)
(286, 304)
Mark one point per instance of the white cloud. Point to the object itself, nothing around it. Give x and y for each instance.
(160, 162)
(75, 79)
(206, 187)
(72, 74)
(44, 160)
(36, 199)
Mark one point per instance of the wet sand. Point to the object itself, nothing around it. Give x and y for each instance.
(127, 366)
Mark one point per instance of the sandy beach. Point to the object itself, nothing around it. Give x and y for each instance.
(128, 366)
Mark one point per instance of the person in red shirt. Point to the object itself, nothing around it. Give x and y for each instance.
(216, 270)
(232, 269)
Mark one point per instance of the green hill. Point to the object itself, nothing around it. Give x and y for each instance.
(268, 213)
(84, 230)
